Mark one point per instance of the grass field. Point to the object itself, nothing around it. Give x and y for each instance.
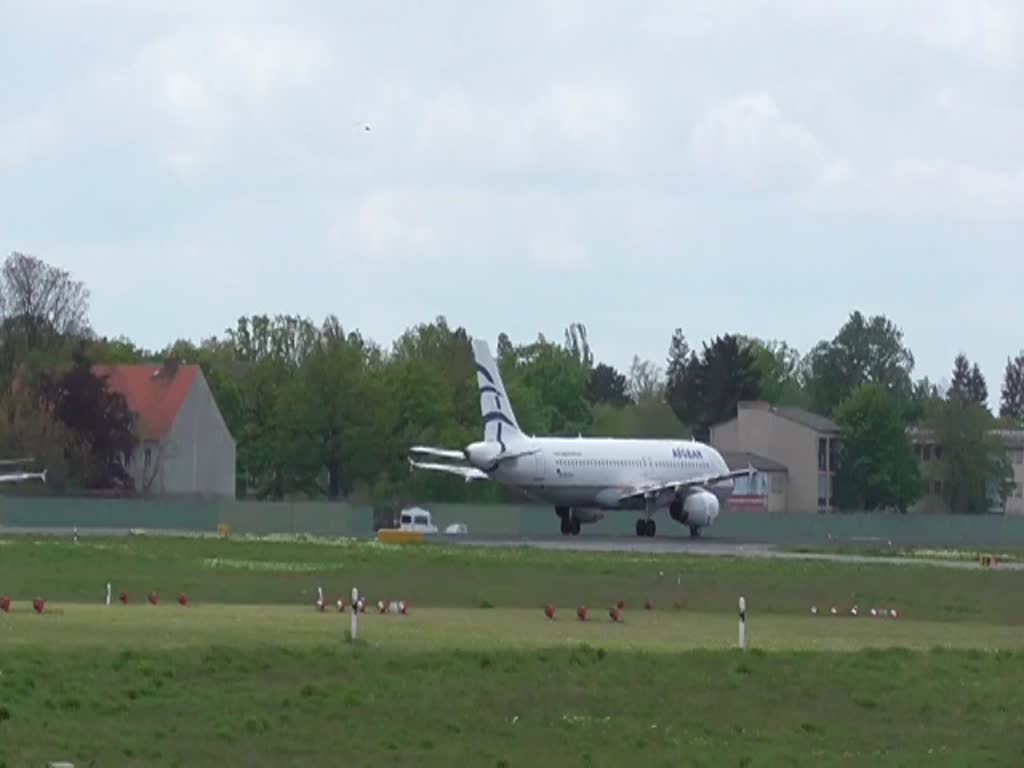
(251, 674)
(288, 573)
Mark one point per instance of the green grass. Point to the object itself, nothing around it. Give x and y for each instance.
(910, 552)
(581, 706)
(251, 674)
(73, 627)
(288, 573)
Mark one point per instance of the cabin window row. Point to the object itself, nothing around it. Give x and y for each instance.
(625, 463)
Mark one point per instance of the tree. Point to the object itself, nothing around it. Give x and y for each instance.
(30, 430)
(559, 385)
(42, 316)
(577, 345)
(118, 351)
(45, 297)
(975, 472)
(779, 368)
(714, 383)
(865, 350)
(650, 418)
(608, 386)
(1012, 405)
(922, 394)
(287, 338)
(645, 382)
(331, 413)
(877, 467)
(968, 384)
(98, 418)
(678, 359)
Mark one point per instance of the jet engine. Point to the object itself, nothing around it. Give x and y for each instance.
(698, 509)
(587, 515)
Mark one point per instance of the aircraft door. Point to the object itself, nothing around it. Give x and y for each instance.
(538, 467)
(650, 473)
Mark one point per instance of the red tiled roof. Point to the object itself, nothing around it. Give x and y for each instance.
(154, 397)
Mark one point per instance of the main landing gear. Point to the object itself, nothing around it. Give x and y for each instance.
(645, 527)
(570, 525)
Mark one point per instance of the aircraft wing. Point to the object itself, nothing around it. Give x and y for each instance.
(466, 473)
(15, 462)
(656, 489)
(441, 453)
(20, 477)
(450, 453)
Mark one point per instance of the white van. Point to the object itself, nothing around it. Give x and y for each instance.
(416, 519)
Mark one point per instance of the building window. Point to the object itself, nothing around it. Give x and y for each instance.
(1017, 455)
(928, 452)
(938, 452)
(937, 487)
(1020, 491)
(776, 483)
(823, 491)
(149, 457)
(822, 454)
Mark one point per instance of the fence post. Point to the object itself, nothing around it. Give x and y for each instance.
(355, 612)
(743, 623)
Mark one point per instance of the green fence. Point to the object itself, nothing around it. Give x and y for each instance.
(315, 518)
(783, 529)
(990, 532)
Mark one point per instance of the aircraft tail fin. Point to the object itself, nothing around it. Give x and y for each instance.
(499, 420)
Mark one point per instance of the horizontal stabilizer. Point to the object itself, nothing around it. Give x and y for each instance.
(15, 462)
(441, 453)
(466, 473)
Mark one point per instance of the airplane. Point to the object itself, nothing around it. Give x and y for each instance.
(585, 477)
(19, 477)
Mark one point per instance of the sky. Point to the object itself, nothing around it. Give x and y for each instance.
(729, 167)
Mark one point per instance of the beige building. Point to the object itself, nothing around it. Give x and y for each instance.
(930, 454)
(803, 447)
(185, 447)
(765, 491)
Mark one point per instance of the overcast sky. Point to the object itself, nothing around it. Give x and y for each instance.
(750, 167)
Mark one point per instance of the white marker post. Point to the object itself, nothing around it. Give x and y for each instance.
(743, 624)
(108, 593)
(355, 611)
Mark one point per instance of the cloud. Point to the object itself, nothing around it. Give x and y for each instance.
(26, 137)
(750, 138)
(988, 34)
(620, 146)
(458, 225)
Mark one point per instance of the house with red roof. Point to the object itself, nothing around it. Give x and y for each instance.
(185, 447)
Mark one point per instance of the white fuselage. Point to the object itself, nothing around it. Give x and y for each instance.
(596, 472)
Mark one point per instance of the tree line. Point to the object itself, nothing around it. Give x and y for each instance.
(319, 410)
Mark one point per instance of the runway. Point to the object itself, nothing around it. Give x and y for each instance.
(665, 545)
(708, 547)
